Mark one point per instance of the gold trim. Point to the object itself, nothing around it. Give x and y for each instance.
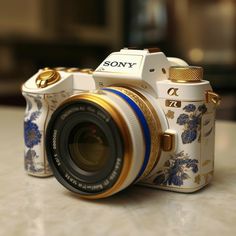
(212, 97)
(173, 103)
(197, 179)
(170, 114)
(164, 98)
(206, 162)
(86, 71)
(60, 68)
(153, 124)
(128, 153)
(46, 68)
(73, 69)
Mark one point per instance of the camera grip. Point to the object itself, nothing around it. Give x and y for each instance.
(38, 112)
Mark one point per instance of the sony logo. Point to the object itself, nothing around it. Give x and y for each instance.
(119, 64)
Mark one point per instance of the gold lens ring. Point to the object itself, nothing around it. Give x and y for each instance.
(128, 148)
(153, 123)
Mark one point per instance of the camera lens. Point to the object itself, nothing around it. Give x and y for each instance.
(99, 143)
(85, 146)
(88, 147)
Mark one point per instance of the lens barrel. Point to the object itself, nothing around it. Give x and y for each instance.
(84, 147)
(99, 143)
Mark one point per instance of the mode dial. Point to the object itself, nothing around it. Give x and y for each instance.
(186, 74)
(47, 77)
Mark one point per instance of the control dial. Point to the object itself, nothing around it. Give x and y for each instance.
(47, 77)
(186, 74)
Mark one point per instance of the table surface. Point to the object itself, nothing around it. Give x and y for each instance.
(33, 206)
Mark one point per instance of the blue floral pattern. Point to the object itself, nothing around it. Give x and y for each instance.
(32, 135)
(34, 128)
(191, 120)
(174, 171)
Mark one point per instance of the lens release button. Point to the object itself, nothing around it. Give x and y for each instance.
(168, 141)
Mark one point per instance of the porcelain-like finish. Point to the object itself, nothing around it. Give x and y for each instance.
(186, 167)
(191, 166)
(33, 206)
(37, 114)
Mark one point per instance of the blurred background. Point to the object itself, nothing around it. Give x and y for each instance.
(41, 33)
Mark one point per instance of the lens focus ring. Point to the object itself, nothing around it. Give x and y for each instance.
(153, 125)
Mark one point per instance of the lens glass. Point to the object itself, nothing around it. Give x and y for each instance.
(88, 147)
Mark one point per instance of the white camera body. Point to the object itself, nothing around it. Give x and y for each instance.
(184, 108)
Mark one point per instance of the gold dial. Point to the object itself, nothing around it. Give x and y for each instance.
(185, 74)
(47, 77)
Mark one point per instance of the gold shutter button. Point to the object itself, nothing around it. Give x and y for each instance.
(186, 74)
(47, 77)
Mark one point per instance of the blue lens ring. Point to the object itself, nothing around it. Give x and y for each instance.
(144, 126)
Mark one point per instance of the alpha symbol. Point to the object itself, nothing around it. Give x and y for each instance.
(173, 91)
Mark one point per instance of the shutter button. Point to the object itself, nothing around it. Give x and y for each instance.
(47, 77)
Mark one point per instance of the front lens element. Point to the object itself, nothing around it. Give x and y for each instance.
(88, 147)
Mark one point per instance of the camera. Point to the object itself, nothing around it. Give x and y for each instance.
(140, 117)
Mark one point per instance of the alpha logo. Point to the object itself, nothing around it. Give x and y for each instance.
(119, 64)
